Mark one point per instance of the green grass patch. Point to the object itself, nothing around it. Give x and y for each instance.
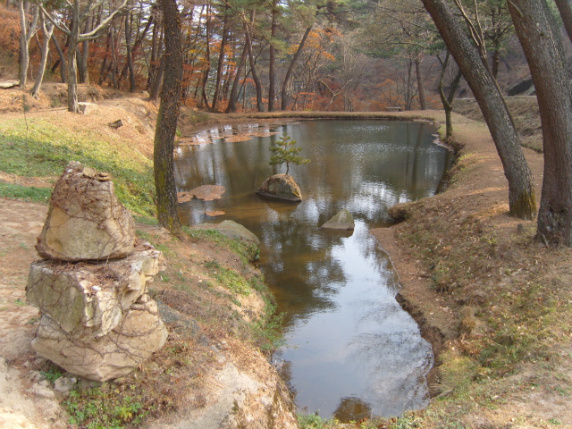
(102, 407)
(44, 149)
(228, 278)
(247, 251)
(19, 192)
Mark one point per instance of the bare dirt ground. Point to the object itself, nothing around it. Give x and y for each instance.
(465, 267)
(452, 305)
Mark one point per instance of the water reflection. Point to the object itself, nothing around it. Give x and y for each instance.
(350, 344)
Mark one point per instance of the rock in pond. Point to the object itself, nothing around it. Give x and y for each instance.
(342, 220)
(281, 187)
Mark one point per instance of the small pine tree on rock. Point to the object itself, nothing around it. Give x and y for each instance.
(286, 152)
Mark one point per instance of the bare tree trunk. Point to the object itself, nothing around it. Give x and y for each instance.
(236, 84)
(26, 34)
(521, 198)
(271, 65)
(408, 85)
(495, 60)
(207, 60)
(104, 69)
(540, 41)
(219, 71)
(420, 87)
(291, 68)
(129, 48)
(157, 80)
(447, 99)
(566, 14)
(63, 64)
(83, 72)
(257, 85)
(134, 48)
(47, 30)
(167, 204)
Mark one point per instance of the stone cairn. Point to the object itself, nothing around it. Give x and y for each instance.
(97, 318)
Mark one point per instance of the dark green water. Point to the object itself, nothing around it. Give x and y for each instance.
(352, 351)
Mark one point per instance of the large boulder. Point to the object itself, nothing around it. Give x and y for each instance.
(97, 319)
(342, 220)
(91, 299)
(85, 220)
(281, 187)
(98, 322)
(139, 334)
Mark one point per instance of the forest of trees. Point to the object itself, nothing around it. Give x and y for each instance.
(266, 55)
(253, 54)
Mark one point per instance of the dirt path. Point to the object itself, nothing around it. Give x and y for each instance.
(528, 397)
(24, 400)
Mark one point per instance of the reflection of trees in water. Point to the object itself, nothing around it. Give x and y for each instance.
(299, 266)
(399, 363)
(352, 408)
(364, 172)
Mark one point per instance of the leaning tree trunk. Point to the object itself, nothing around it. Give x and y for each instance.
(540, 41)
(167, 210)
(252, 62)
(219, 68)
(566, 14)
(290, 70)
(63, 64)
(521, 197)
(47, 30)
(232, 99)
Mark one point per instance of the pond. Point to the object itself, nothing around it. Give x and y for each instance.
(351, 350)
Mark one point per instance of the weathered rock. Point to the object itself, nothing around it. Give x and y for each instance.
(139, 334)
(204, 192)
(86, 108)
(281, 187)
(91, 299)
(9, 84)
(341, 220)
(258, 400)
(85, 220)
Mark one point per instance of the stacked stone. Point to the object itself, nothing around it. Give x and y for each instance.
(97, 318)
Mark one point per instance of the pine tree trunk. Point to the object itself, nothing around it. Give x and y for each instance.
(271, 65)
(167, 205)
(257, 84)
(521, 197)
(236, 83)
(540, 41)
(291, 68)
(566, 15)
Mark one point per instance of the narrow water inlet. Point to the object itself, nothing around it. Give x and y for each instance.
(351, 350)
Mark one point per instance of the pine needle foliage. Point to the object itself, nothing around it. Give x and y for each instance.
(286, 152)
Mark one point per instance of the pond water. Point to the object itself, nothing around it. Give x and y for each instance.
(351, 350)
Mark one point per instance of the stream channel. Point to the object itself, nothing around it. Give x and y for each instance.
(351, 351)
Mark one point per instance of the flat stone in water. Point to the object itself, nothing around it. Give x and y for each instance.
(342, 220)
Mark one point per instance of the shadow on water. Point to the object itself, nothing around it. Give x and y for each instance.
(352, 351)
